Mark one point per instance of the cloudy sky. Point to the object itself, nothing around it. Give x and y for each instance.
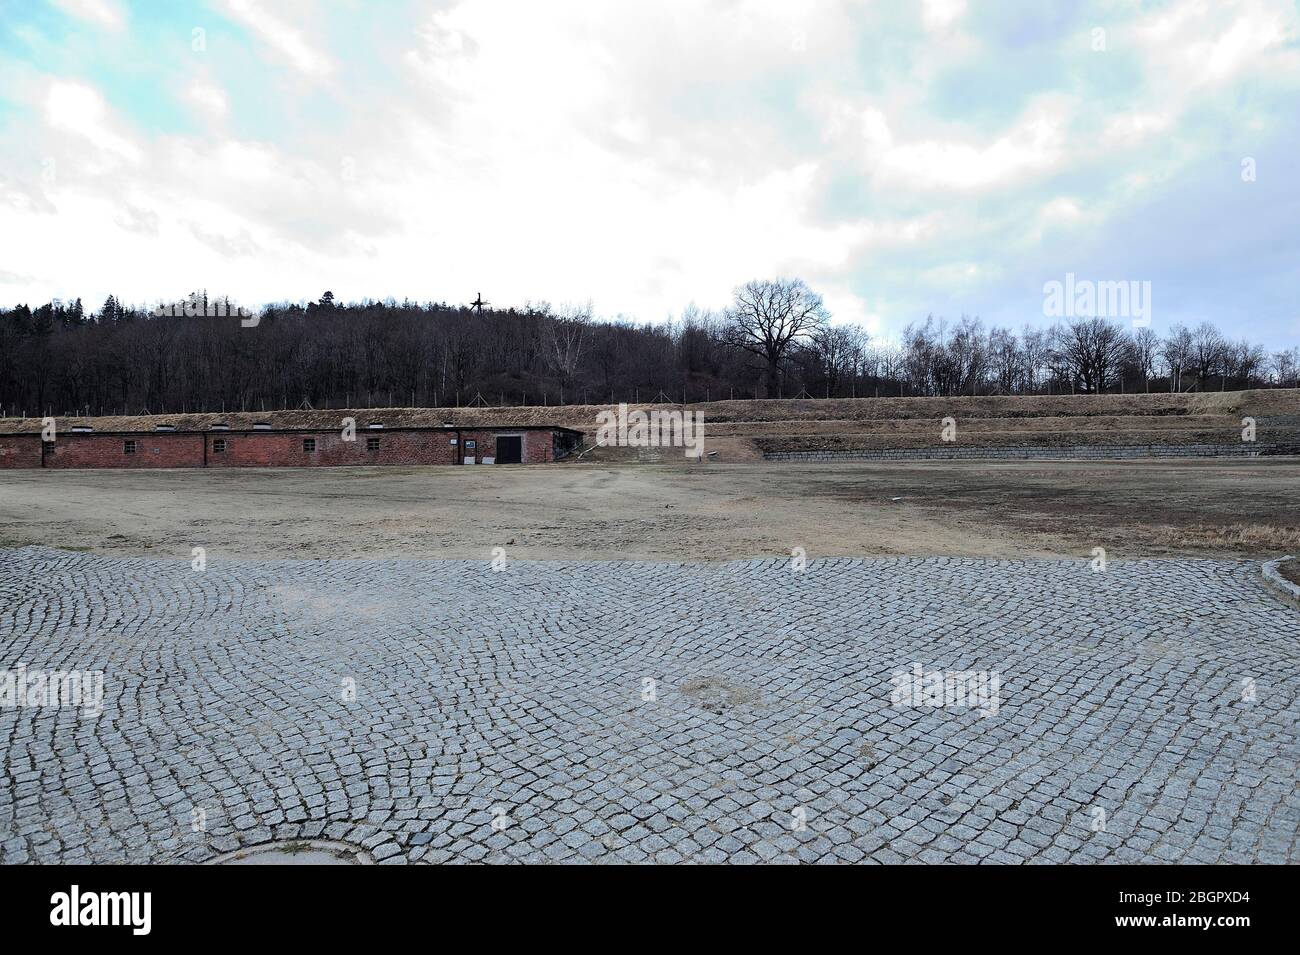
(903, 158)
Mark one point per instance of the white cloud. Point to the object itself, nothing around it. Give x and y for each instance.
(1238, 48)
(938, 15)
(280, 36)
(80, 109)
(208, 98)
(847, 307)
(1131, 129)
(1036, 144)
(1197, 44)
(105, 13)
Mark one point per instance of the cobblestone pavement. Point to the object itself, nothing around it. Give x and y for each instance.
(502, 716)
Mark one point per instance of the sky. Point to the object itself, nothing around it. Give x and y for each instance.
(904, 159)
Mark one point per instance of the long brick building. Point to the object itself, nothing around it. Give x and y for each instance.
(284, 439)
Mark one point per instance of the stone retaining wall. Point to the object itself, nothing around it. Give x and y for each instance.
(1024, 452)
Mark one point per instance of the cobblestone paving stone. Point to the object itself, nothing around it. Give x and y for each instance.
(516, 698)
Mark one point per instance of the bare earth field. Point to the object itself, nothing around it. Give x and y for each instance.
(1144, 508)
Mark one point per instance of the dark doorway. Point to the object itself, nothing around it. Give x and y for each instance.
(510, 450)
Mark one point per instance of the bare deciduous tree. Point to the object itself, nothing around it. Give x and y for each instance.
(767, 317)
(1036, 348)
(1090, 350)
(1176, 352)
(1207, 352)
(1284, 367)
(564, 340)
(838, 350)
(1006, 360)
(1144, 348)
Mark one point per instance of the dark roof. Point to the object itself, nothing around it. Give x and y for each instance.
(223, 432)
(297, 422)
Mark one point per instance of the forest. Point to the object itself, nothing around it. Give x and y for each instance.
(775, 340)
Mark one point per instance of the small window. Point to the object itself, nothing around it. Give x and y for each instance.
(82, 429)
(261, 426)
(372, 444)
(219, 445)
(221, 426)
(164, 427)
(375, 424)
(128, 447)
(309, 444)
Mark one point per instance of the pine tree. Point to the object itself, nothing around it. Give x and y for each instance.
(43, 321)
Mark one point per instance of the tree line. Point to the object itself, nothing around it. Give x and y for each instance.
(775, 340)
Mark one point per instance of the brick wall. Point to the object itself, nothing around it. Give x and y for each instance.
(276, 449)
(539, 447)
(20, 450)
(107, 451)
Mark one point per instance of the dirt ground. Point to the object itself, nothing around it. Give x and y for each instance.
(1144, 508)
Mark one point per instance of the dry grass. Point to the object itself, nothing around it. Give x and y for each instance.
(1234, 537)
(1259, 403)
